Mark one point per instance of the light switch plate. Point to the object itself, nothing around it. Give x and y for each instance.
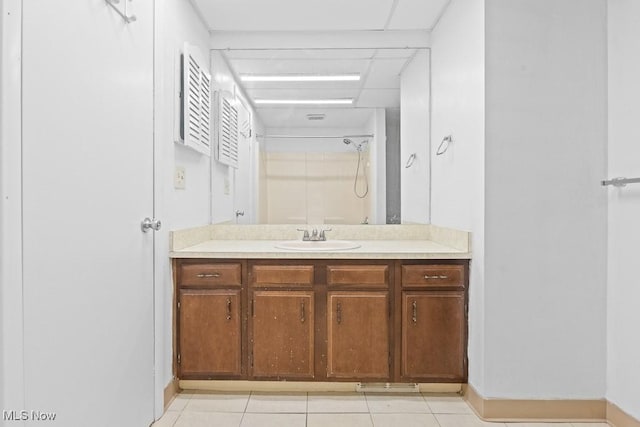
(179, 178)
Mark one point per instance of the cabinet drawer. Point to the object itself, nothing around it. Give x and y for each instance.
(369, 275)
(208, 274)
(282, 275)
(432, 276)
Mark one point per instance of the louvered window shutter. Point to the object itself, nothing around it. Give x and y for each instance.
(244, 121)
(196, 98)
(227, 149)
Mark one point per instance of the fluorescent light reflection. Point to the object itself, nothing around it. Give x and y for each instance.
(300, 78)
(304, 101)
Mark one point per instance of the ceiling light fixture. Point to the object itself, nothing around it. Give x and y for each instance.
(304, 101)
(300, 78)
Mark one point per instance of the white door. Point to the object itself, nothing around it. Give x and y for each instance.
(87, 184)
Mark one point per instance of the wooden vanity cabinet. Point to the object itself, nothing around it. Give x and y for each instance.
(322, 320)
(209, 320)
(358, 335)
(358, 322)
(281, 322)
(434, 323)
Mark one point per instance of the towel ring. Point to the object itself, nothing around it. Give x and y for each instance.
(410, 160)
(441, 150)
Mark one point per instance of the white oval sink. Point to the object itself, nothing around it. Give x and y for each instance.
(327, 245)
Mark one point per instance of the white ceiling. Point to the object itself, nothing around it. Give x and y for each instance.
(380, 68)
(297, 117)
(320, 15)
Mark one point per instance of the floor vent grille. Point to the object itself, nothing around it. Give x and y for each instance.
(387, 387)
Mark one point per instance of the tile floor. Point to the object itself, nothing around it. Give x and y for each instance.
(200, 409)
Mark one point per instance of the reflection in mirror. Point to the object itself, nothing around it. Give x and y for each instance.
(325, 133)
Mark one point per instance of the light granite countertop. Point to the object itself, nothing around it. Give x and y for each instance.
(375, 242)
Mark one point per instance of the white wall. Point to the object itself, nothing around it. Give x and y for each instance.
(176, 23)
(392, 124)
(225, 179)
(414, 138)
(546, 215)
(623, 293)
(222, 175)
(377, 167)
(294, 167)
(457, 200)
(246, 194)
(314, 145)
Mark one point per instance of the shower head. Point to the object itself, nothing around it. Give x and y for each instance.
(347, 141)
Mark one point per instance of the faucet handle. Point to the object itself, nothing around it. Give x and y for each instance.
(305, 236)
(322, 235)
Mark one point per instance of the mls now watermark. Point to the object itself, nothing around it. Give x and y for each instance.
(25, 415)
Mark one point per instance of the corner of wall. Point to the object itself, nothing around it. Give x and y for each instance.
(458, 176)
(544, 210)
(177, 22)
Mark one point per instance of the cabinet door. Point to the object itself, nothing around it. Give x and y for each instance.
(358, 334)
(433, 335)
(209, 333)
(282, 334)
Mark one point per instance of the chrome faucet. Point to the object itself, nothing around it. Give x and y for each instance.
(315, 235)
(305, 236)
(322, 236)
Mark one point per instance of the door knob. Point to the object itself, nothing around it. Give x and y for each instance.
(149, 223)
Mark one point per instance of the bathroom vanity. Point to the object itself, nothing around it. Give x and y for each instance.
(392, 310)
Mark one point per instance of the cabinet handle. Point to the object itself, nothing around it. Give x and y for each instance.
(302, 312)
(208, 275)
(414, 316)
(339, 313)
(437, 276)
(228, 308)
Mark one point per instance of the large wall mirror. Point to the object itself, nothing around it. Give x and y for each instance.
(329, 130)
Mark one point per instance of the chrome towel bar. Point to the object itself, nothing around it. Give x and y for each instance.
(620, 181)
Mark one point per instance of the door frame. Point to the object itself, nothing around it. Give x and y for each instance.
(12, 379)
(11, 283)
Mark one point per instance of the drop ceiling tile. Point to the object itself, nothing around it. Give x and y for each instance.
(295, 15)
(297, 117)
(292, 66)
(280, 54)
(379, 98)
(395, 53)
(417, 14)
(302, 94)
(385, 74)
(301, 85)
